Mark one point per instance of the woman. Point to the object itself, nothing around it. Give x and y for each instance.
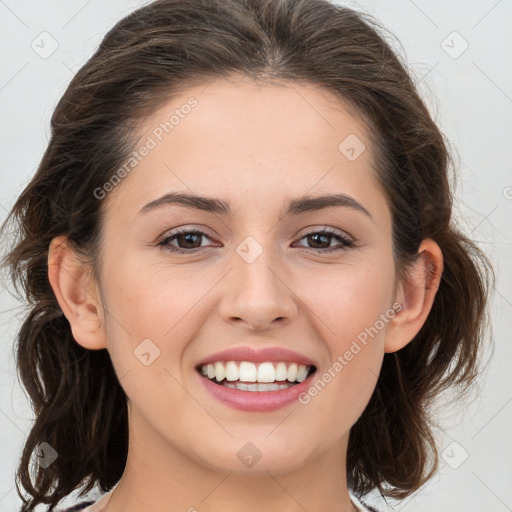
(243, 269)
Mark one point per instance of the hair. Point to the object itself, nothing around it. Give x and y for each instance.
(153, 53)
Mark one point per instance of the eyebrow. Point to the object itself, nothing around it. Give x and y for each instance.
(220, 207)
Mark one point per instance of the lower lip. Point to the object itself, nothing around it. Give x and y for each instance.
(255, 401)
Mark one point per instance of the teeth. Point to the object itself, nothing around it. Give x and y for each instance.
(281, 371)
(257, 386)
(245, 371)
(266, 373)
(220, 373)
(231, 371)
(302, 373)
(291, 374)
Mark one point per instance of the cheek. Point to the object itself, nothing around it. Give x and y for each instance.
(153, 314)
(347, 300)
(150, 320)
(151, 299)
(353, 310)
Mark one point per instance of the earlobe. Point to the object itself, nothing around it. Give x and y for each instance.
(416, 293)
(76, 294)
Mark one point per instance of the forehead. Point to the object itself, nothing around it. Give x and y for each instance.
(245, 140)
(285, 116)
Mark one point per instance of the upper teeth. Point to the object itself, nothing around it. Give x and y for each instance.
(249, 372)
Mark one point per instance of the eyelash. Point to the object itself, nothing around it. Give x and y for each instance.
(346, 242)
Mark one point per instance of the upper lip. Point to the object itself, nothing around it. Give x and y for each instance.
(257, 355)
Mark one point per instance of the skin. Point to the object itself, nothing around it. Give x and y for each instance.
(257, 146)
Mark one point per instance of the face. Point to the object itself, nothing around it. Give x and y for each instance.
(254, 273)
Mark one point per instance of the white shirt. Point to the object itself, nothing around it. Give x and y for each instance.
(357, 503)
(103, 501)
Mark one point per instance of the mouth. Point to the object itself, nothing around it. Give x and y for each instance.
(253, 387)
(256, 377)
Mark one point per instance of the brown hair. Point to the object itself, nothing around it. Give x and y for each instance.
(163, 48)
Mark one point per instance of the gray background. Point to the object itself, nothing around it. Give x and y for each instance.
(470, 96)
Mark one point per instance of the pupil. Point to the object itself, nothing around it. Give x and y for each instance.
(318, 236)
(188, 237)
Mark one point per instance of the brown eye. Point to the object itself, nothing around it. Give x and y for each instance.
(320, 241)
(188, 241)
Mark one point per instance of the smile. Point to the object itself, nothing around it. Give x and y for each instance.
(248, 376)
(252, 387)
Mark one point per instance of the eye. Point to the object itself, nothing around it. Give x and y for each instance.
(187, 240)
(322, 240)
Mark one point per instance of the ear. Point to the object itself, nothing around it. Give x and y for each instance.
(416, 293)
(77, 294)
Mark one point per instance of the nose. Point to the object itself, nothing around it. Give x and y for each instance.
(258, 294)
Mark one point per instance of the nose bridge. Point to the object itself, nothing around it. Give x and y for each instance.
(257, 264)
(258, 293)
